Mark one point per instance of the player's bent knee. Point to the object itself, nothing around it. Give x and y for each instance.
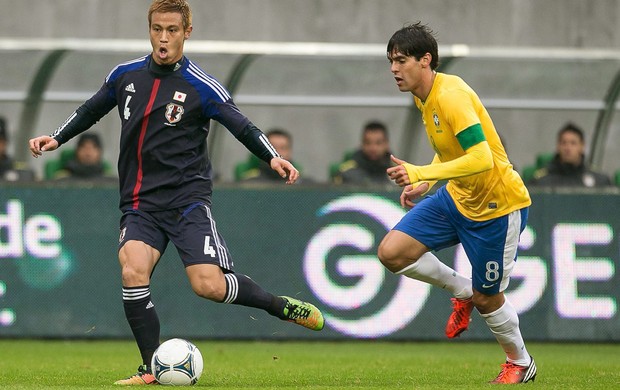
(391, 259)
(487, 303)
(209, 291)
(134, 277)
(207, 281)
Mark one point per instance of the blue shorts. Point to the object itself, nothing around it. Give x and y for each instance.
(491, 246)
(192, 230)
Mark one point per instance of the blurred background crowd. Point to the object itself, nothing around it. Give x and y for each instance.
(545, 70)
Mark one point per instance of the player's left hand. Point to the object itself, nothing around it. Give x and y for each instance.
(400, 174)
(285, 169)
(412, 192)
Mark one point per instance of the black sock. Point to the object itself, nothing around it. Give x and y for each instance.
(142, 319)
(241, 290)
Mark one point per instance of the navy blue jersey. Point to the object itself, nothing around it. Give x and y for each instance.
(165, 113)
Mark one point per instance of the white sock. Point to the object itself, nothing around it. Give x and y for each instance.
(431, 270)
(504, 323)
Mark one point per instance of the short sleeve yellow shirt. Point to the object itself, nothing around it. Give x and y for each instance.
(451, 107)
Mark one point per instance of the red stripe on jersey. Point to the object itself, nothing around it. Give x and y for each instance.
(145, 123)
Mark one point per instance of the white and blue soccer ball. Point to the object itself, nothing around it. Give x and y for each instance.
(177, 362)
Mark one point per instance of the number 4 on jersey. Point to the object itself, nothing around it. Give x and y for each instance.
(209, 250)
(126, 112)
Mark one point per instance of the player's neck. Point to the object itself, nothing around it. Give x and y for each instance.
(426, 87)
(165, 69)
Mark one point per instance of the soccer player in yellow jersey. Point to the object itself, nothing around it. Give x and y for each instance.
(484, 205)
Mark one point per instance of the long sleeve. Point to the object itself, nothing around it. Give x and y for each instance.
(478, 158)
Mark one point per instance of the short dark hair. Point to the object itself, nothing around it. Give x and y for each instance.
(570, 127)
(376, 126)
(90, 137)
(280, 132)
(179, 6)
(415, 40)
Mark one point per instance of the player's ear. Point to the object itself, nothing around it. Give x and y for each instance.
(188, 31)
(426, 59)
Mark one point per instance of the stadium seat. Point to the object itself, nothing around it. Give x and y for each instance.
(527, 173)
(55, 165)
(244, 168)
(542, 160)
(334, 168)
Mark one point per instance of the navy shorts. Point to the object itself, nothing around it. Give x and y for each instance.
(192, 230)
(491, 246)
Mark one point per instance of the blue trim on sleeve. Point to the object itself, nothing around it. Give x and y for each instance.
(209, 89)
(126, 67)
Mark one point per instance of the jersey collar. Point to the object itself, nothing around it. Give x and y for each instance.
(162, 70)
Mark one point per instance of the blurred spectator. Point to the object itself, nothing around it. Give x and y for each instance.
(9, 169)
(87, 162)
(6, 162)
(568, 167)
(368, 164)
(257, 171)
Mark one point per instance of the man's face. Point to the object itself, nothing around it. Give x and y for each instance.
(407, 71)
(283, 147)
(374, 144)
(88, 153)
(570, 148)
(167, 37)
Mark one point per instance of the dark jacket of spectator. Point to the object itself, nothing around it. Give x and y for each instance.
(558, 174)
(6, 162)
(359, 169)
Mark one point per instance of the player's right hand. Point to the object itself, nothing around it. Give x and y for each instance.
(41, 144)
(412, 192)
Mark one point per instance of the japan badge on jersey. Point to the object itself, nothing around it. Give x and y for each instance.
(174, 112)
(179, 96)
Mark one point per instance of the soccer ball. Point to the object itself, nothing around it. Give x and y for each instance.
(177, 362)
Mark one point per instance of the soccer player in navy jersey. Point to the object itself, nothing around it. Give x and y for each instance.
(165, 103)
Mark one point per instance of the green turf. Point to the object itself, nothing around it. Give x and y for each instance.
(28, 364)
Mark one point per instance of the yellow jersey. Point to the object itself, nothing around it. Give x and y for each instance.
(450, 108)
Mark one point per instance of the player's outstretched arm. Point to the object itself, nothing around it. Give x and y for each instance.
(41, 144)
(285, 169)
(477, 158)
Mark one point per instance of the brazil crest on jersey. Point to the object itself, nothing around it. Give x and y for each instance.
(450, 108)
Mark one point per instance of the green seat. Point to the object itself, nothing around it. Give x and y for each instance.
(243, 169)
(55, 165)
(334, 168)
(543, 159)
(617, 177)
(528, 172)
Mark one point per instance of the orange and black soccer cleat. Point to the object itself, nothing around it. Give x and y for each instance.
(460, 317)
(512, 373)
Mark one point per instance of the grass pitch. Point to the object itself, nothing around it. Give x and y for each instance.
(35, 364)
